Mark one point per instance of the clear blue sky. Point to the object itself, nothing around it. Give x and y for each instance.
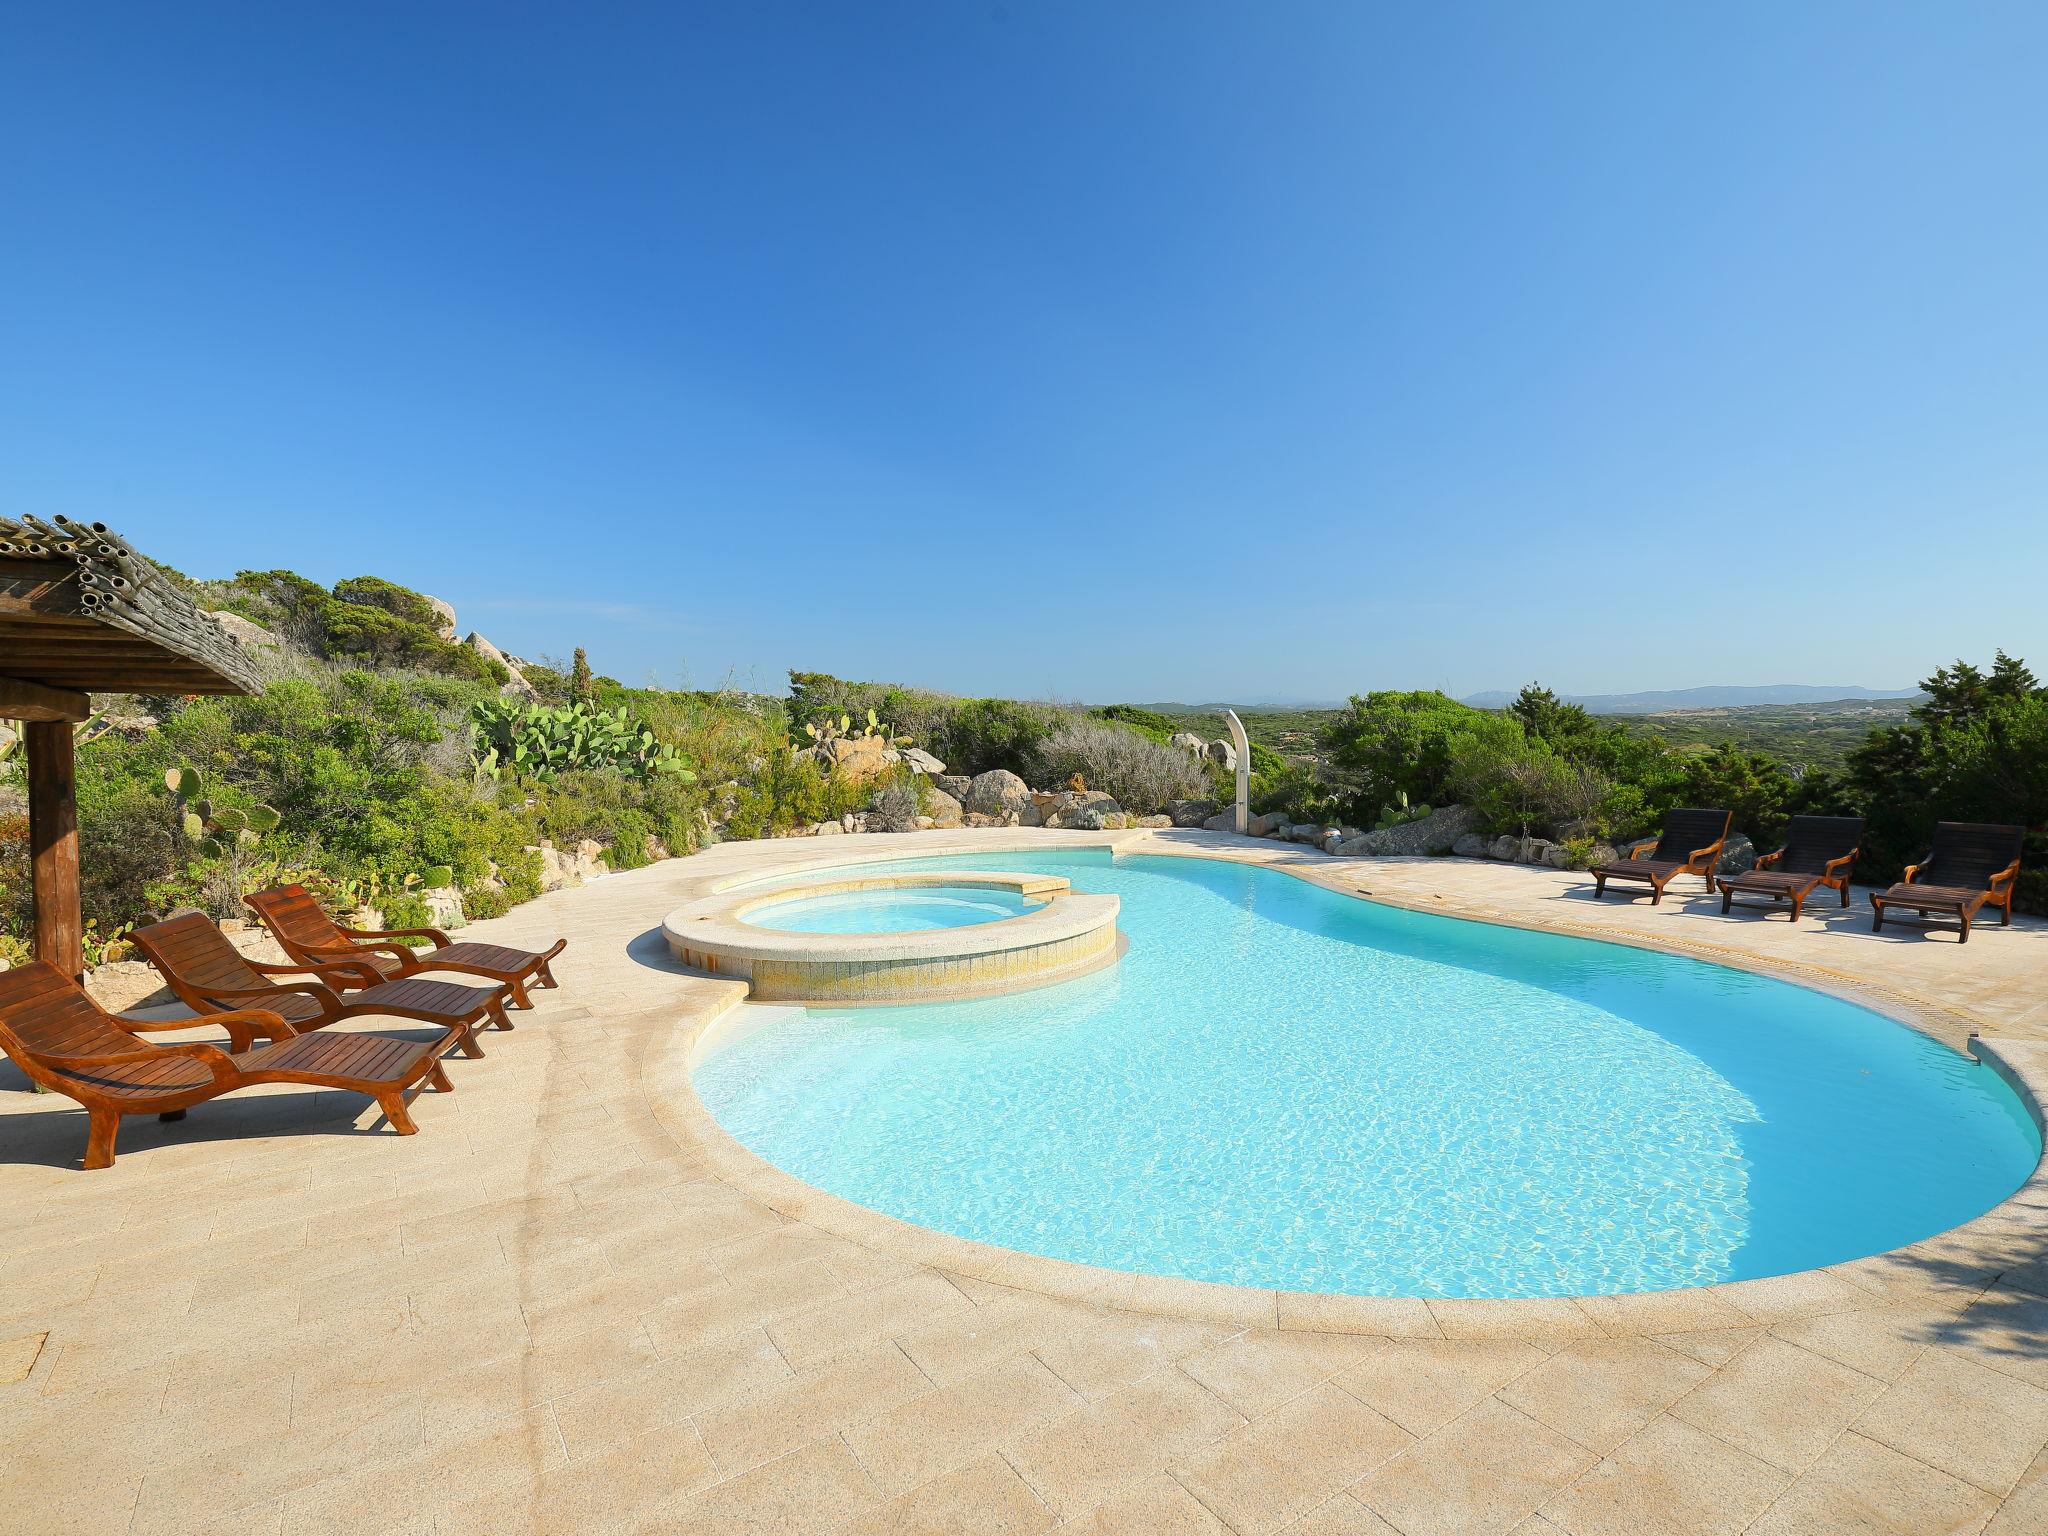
(1101, 350)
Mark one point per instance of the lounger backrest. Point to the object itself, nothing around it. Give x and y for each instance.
(1969, 853)
(195, 957)
(43, 1011)
(295, 915)
(1687, 830)
(1814, 842)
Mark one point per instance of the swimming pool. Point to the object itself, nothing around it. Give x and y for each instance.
(1283, 1086)
(904, 910)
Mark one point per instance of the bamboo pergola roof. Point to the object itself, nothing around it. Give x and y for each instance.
(81, 610)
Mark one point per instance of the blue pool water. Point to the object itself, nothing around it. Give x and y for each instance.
(1282, 1086)
(904, 910)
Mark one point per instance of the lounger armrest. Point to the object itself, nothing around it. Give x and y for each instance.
(356, 973)
(320, 992)
(329, 955)
(216, 1060)
(1639, 850)
(1913, 870)
(1712, 850)
(440, 939)
(1843, 862)
(2011, 871)
(1766, 859)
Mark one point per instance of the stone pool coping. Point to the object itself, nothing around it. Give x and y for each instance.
(1985, 1245)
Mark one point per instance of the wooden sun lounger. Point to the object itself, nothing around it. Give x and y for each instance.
(311, 937)
(70, 1045)
(1691, 842)
(1973, 863)
(1819, 851)
(211, 977)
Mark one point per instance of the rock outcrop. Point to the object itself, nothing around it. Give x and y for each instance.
(445, 613)
(246, 633)
(998, 792)
(561, 868)
(942, 808)
(955, 784)
(1438, 832)
(1190, 813)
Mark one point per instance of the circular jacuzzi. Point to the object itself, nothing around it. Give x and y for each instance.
(1286, 1087)
(893, 909)
(863, 937)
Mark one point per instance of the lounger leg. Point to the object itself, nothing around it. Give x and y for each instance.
(519, 997)
(170, 1116)
(546, 975)
(1876, 915)
(467, 1043)
(1845, 893)
(1599, 886)
(438, 1078)
(499, 1019)
(1795, 908)
(393, 1105)
(1966, 930)
(1727, 900)
(101, 1127)
(2005, 920)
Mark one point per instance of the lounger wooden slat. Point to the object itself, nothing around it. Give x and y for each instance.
(67, 1043)
(310, 936)
(1973, 864)
(211, 977)
(1691, 843)
(1819, 851)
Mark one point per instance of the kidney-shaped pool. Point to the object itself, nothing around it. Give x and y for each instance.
(1284, 1086)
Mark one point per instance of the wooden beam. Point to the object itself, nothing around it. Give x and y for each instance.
(53, 845)
(21, 699)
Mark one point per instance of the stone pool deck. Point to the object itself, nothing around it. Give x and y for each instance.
(570, 1305)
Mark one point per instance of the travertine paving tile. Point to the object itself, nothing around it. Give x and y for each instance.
(1341, 1516)
(1669, 1480)
(668, 1391)
(2025, 1511)
(1157, 1506)
(1079, 1459)
(1961, 1418)
(812, 1490)
(820, 1400)
(1422, 1384)
(1879, 1342)
(1601, 1392)
(984, 1498)
(1484, 1472)
(1860, 1486)
(1284, 1465)
(811, 1334)
(1780, 1403)
(1261, 1368)
(951, 1425)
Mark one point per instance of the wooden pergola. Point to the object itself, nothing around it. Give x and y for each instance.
(81, 613)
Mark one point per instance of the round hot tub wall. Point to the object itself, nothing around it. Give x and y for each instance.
(1071, 934)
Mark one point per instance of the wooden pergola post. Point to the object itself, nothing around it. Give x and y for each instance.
(53, 844)
(47, 715)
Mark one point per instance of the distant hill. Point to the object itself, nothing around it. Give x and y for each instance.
(1706, 698)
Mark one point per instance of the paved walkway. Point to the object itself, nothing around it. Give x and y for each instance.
(565, 1306)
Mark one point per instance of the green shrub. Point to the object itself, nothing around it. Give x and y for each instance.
(541, 740)
(1140, 773)
(1386, 745)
